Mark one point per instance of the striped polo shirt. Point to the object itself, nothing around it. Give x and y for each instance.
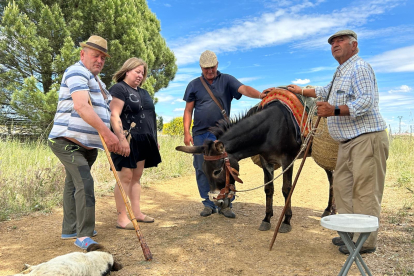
(355, 86)
(67, 122)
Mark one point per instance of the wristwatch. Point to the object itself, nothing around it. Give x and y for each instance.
(337, 111)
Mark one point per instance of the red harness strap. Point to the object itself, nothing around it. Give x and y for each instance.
(229, 190)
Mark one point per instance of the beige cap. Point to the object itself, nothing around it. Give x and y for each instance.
(341, 33)
(97, 43)
(208, 59)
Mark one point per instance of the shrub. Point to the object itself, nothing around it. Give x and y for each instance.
(175, 127)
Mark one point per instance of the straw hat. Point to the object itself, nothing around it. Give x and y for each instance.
(208, 59)
(97, 43)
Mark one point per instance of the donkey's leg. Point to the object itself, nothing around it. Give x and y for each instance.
(268, 170)
(287, 186)
(331, 209)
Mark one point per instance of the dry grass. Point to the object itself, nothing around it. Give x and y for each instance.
(32, 178)
(397, 217)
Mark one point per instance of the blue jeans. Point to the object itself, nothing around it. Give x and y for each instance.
(202, 182)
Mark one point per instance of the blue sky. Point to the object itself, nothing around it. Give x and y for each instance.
(273, 43)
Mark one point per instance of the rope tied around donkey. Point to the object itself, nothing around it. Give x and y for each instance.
(313, 132)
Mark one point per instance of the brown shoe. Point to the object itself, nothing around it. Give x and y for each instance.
(147, 219)
(344, 250)
(129, 226)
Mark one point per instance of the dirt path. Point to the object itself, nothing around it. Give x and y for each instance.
(183, 243)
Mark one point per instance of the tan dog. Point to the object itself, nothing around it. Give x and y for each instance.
(92, 263)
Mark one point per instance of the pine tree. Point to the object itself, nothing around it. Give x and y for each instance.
(39, 39)
(160, 123)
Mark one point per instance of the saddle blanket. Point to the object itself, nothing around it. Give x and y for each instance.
(293, 103)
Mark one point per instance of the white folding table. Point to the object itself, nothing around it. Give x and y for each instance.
(355, 223)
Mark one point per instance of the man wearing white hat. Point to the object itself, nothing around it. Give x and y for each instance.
(74, 138)
(206, 113)
(355, 121)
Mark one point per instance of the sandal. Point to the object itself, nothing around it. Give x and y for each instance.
(74, 235)
(129, 226)
(85, 243)
(147, 219)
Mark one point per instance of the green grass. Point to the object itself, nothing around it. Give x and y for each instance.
(400, 162)
(32, 178)
(400, 177)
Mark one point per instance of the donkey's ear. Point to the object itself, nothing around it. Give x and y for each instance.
(219, 146)
(191, 149)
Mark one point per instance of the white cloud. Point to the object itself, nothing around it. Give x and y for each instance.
(190, 70)
(167, 5)
(398, 34)
(174, 84)
(401, 89)
(162, 97)
(184, 77)
(396, 102)
(178, 101)
(179, 109)
(321, 68)
(398, 60)
(284, 25)
(244, 80)
(300, 81)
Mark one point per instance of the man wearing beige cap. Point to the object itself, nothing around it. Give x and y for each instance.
(74, 138)
(355, 121)
(225, 88)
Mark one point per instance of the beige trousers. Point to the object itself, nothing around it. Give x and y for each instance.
(360, 175)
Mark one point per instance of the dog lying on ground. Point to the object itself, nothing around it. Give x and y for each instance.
(92, 263)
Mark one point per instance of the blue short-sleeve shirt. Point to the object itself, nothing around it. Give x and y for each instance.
(206, 112)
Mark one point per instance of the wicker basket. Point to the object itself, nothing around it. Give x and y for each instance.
(324, 148)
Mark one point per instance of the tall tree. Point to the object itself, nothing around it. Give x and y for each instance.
(39, 39)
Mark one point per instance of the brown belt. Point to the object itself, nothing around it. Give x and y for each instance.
(349, 140)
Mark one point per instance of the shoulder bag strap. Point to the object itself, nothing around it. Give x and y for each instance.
(215, 99)
(102, 91)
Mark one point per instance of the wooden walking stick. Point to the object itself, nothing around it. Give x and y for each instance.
(298, 173)
(144, 246)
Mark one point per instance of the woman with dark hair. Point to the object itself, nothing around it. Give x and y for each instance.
(133, 121)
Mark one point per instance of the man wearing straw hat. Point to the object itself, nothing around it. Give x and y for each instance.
(355, 121)
(74, 138)
(206, 113)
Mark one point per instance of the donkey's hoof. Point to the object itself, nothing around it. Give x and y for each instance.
(326, 213)
(265, 226)
(285, 228)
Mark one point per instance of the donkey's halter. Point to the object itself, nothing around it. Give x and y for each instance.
(229, 190)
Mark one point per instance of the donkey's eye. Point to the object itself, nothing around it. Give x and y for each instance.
(217, 172)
